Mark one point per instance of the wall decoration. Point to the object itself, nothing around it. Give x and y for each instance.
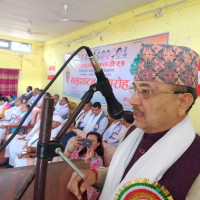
(119, 63)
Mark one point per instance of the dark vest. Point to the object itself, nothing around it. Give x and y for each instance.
(180, 176)
(96, 127)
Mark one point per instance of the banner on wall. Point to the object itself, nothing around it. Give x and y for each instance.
(51, 72)
(119, 62)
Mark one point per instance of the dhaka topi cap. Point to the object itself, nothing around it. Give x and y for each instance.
(170, 64)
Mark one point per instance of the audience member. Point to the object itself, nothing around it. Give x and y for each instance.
(113, 134)
(37, 90)
(12, 111)
(31, 147)
(127, 121)
(4, 105)
(93, 155)
(98, 121)
(72, 106)
(63, 109)
(69, 134)
(11, 100)
(56, 102)
(41, 99)
(17, 144)
(27, 95)
(84, 115)
(15, 120)
(33, 98)
(47, 94)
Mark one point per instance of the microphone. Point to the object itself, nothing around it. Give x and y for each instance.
(114, 108)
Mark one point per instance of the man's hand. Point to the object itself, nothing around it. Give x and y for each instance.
(29, 149)
(78, 186)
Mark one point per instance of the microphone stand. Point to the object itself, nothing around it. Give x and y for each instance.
(46, 149)
(44, 139)
(42, 168)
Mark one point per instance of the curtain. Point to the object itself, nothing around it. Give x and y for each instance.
(8, 81)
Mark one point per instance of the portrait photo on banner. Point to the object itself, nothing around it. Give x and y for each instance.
(118, 61)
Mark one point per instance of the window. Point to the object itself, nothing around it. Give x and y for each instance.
(24, 47)
(4, 44)
(15, 46)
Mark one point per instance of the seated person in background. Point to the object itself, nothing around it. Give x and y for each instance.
(11, 99)
(113, 134)
(37, 90)
(128, 122)
(31, 147)
(47, 94)
(4, 105)
(69, 134)
(56, 102)
(33, 98)
(84, 115)
(63, 109)
(111, 120)
(93, 155)
(72, 106)
(98, 121)
(15, 120)
(40, 101)
(27, 95)
(12, 111)
(17, 145)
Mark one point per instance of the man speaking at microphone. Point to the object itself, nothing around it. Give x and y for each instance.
(163, 149)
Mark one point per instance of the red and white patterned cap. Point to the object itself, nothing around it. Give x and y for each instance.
(170, 64)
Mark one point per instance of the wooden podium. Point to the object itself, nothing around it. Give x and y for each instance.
(58, 176)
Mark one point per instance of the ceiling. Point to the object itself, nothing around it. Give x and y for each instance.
(40, 20)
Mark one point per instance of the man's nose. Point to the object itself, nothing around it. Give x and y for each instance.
(135, 99)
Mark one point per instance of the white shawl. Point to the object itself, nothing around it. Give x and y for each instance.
(154, 163)
(92, 122)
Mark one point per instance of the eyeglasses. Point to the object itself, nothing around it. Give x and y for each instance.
(146, 92)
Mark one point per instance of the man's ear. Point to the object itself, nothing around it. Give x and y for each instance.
(185, 101)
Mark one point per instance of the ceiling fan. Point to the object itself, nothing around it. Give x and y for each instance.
(28, 31)
(65, 18)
